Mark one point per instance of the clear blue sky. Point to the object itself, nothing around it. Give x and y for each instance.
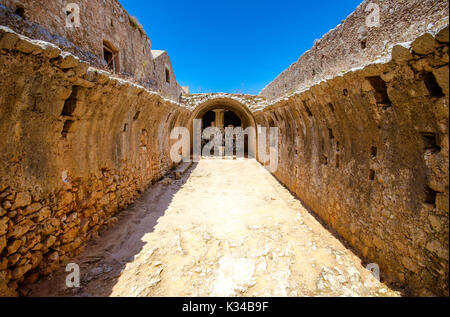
(236, 46)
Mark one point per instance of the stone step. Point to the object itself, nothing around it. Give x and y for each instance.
(181, 169)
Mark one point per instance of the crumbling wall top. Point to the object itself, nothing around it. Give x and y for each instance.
(253, 103)
(365, 36)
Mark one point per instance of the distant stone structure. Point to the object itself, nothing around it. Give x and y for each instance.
(106, 36)
(165, 77)
(185, 90)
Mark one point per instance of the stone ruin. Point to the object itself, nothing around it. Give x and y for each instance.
(85, 117)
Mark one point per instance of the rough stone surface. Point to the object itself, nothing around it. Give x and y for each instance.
(95, 148)
(374, 142)
(46, 21)
(208, 235)
(353, 44)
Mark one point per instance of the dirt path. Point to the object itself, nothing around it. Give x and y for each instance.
(227, 228)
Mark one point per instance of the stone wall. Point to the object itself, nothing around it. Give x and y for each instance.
(170, 87)
(35, 31)
(353, 44)
(76, 147)
(101, 22)
(368, 151)
(253, 103)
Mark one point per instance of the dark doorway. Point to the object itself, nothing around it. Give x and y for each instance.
(231, 118)
(208, 118)
(20, 12)
(111, 57)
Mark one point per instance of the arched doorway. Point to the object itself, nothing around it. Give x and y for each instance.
(208, 119)
(230, 119)
(222, 113)
(223, 119)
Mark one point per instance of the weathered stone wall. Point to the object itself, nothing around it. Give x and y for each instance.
(353, 44)
(368, 151)
(253, 103)
(100, 22)
(76, 146)
(37, 32)
(162, 63)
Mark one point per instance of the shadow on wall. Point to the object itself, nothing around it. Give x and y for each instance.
(103, 261)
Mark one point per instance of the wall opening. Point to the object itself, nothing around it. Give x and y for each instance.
(430, 142)
(234, 113)
(231, 119)
(136, 116)
(20, 11)
(68, 12)
(373, 151)
(372, 175)
(111, 57)
(330, 105)
(71, 103)
(363, 44)
(144, 138)
(167, 75)
(430, 196)
(208, 119)
(330, 134)
(381, 95)
(432, 86)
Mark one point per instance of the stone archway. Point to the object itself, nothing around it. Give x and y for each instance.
(226, 111)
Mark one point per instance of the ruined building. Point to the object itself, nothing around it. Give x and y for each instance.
(363, 117)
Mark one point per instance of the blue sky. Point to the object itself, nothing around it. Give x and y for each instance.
(235, 46)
